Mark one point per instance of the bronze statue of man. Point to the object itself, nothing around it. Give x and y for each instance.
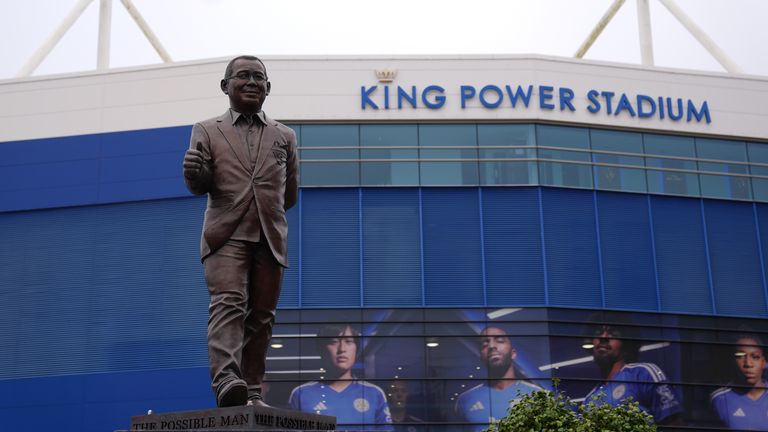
(247, 164)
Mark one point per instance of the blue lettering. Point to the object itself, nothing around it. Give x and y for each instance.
(439, 99)
(566, 96)
(649, 101)
(525, 96)
(467, 92)
(671, 112)
(594, 104)
(624, 105)
(365, 97)
(661, 107)
(703, 112)
(545, 94)
(492, 96)
(499, 96)
(410, 98)
(608, 96)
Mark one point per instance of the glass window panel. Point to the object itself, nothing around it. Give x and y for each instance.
(758, 154)
(577, 174)
(615, 177)
(377, 142)
(441, 395)
(457, 142)
(414, 317)
(672, 179)
(562, 136)
(449, 356)
(287, 316)
(398, 329)
(407, 403)
(450, 315)
(284, 354)
(378, 414)
(721, 149)
(279, 389)
(311, 365)
(564, 173)
(466, 394)
(392, 358)
(353, 316)
(738, 324)
(760, 188)
(337, 143)
(494, 141)
(442, 329)
(720, 186)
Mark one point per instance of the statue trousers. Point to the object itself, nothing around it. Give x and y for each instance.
(244, 285)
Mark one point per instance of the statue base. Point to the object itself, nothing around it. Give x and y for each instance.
(241, 418)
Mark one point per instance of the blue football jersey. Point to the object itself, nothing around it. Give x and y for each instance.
(738, 411)
(483, 404)
(645, 383)
(360, 403)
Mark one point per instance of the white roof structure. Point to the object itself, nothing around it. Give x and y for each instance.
(643, 16)
(395, 89)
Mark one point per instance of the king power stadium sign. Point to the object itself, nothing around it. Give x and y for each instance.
(491, 96)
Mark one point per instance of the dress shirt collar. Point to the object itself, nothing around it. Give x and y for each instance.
(236, 116)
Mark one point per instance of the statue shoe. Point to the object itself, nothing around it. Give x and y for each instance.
(257, 401)
(233, 393)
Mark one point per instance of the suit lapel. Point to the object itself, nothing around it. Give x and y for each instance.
(268, 138)
(224, 124)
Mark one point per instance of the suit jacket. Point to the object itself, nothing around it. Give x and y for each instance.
(232, 181)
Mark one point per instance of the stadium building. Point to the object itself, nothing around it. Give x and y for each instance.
(547, 197)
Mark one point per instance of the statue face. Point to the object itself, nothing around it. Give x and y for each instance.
(247, 87)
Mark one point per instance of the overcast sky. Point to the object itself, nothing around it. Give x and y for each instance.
(200, 29)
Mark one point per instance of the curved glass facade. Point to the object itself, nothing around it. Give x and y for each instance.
(419, 236)
(431, 366)
(531, 154)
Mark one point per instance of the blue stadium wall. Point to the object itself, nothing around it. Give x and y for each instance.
(104, 304)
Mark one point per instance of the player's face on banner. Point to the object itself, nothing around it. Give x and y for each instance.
(750, 360)
(342, 351)
(399, 395)
(495, 349)
(606, 348)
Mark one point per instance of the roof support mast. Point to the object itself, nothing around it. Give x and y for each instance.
(131, 8)
(105, 32)
(595, 33)
(702, 37)
(53, 39)
(644, 32)
(646, 37)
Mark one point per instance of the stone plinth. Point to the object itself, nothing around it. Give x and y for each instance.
(242, 418)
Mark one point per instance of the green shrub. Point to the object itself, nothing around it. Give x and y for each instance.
(544, 411)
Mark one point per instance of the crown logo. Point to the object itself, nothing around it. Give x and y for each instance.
(386, 75)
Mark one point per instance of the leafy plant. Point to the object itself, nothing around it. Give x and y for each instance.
(544, 411)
